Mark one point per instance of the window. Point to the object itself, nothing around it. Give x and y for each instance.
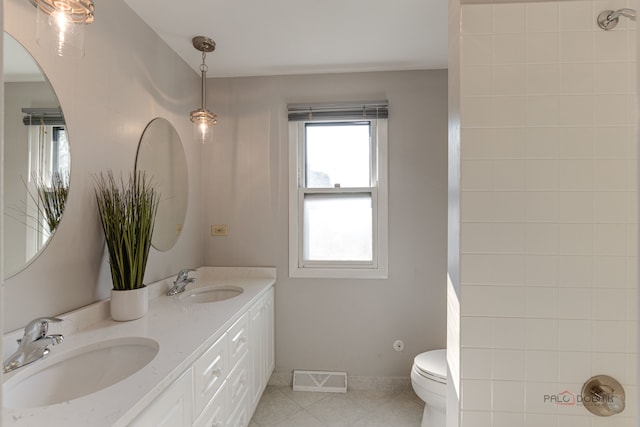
(338, 190)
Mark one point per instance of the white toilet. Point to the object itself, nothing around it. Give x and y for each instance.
(429, 381)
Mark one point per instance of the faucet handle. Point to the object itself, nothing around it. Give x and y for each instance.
(38, 328)
(184, 273)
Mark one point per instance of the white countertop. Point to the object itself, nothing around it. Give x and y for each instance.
(182, 330)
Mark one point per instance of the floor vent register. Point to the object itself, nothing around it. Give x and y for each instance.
(331, 382)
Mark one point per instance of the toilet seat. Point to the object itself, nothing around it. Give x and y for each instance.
(432, 365)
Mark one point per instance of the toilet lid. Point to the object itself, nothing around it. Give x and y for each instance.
(433, 363)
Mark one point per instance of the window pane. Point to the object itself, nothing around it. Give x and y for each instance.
(337, 153)
(338, 227)
(62, 155)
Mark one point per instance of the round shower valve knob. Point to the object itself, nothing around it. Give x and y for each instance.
(603, 396)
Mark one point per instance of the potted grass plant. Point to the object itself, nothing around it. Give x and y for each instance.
(127, 214)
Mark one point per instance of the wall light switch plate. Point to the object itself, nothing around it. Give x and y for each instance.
(219, 230)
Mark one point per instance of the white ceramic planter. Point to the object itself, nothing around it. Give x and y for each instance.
(130, 304)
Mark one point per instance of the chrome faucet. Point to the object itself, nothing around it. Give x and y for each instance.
(34, 344)
(181, 281)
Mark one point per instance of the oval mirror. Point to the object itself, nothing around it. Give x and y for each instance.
(161, 156)
(37, 159)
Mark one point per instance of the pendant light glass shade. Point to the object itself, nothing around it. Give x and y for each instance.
(60, 24)
(202, 118)
(203, 121)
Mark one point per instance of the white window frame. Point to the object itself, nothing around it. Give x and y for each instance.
(378, 268)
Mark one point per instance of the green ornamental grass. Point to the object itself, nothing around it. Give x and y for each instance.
(52, 199)
(127, 213)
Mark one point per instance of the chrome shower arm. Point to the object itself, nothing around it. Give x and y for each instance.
(627, 13)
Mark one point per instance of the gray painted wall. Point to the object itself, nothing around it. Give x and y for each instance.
(343, 325)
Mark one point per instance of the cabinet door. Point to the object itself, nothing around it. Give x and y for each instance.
(269, 345)
(261, 345)
(173, 408)
(256, 351)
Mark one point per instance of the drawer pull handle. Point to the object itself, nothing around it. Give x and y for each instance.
(216, 372)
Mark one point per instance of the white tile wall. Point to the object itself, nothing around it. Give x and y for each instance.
(548, 211)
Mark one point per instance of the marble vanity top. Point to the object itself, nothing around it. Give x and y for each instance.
(182, 330)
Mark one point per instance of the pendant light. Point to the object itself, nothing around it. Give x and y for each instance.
(64, 21)
(202, 118)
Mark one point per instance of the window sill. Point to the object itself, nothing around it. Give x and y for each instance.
(338, 273)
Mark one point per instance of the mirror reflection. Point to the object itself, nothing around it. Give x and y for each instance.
(161, 156)
(37, 160)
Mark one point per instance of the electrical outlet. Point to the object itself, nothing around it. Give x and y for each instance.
(218, 230)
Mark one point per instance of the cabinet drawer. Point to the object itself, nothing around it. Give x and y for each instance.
(238, 337)
(241, 416)
(216, 412)
(239, 383)
(209, 373)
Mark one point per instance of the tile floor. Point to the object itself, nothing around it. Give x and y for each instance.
(280, 406)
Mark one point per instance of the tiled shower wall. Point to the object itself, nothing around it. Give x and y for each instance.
(548, 212)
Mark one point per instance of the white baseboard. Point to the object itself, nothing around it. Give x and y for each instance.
(281, 379)
(380, 383)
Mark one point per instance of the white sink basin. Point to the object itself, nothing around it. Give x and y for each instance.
(77, 373)
(210, 294)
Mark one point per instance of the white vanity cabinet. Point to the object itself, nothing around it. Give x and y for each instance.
(223, 386)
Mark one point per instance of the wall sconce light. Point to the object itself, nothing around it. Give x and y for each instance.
(202, 118)
(65, 21)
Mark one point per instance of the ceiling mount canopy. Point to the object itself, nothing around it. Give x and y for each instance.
(204, 44)
(202, 118)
